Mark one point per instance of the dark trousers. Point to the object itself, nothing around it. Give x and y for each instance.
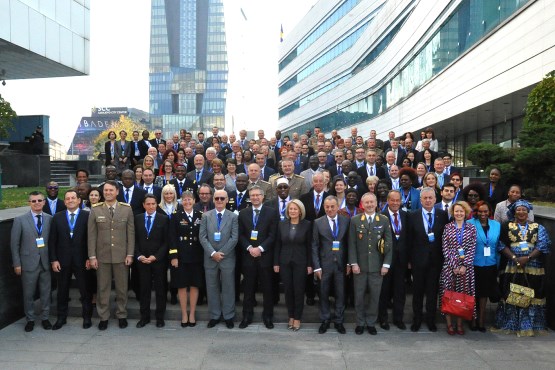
(154, 272)
(425, 283)
(310, 289)
(393, 286)
(252, 272)
(64, 281)
(293, 276)
(332, 275)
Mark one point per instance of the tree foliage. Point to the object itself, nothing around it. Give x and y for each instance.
(484, 154)
(7, 115)
(124, 123)
(539, 123)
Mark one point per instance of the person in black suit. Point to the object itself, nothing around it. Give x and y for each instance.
(148, 184)
(313, 202)
(337, 167)
(181, 183)
(371, 168)
(293, 259)
(200, 175)
(67, 250)
(157, 139)
(151, 249)
(239, 198)
(329, 259)
(130, 193)
(387, 143)
(449, 168)
(144, 144)
(257, 231)
(393, 284)
(265, 171)
(186, 256)
(425, 230)
(52, 204)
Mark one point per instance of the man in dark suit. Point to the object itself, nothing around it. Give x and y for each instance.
(449, 168)
(148, 184)
(68, 256)
(425, 230)
(393, 285)
(387, 143)
(447, 199)
(337, 167)
(181, 183)
(257, 232)
(133, 152)
(329, 257)
(218, 235)
(313, 202)
(370, 168)
(144, 144)
(265, 171)
(29, 245)
(239, 199)
(130, 193)
(157, 139)
(52, 204)
(200, 175)
(151, 248)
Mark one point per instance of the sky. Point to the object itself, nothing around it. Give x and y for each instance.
(119, 54)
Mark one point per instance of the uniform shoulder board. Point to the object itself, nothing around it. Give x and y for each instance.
(298, 176)
(124, 204)
(98, 204)
(264, 182)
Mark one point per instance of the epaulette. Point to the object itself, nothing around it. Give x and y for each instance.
(98, 204)
(295, 175)
(124, 204)
(265, 182)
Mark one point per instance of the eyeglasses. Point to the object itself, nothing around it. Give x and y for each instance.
(36, 200)
(52, 187)
(219, 199)
(204, 194)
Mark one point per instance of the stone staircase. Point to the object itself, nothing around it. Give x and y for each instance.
(60, 171)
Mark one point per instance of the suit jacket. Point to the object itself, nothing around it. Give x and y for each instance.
(451, 170)
(131, 152)
(25, 252)
(155, 144)
(63, 247)
(143, 148)
(266, 227)
(232, 202)
(108, 152)
(300, 165)
(156, 191)
(308, 202)
(419, 157)
(364, 240)
(333, 170)
(111, 239)
(380, 172)
(322, 240)
(400, 244)
(156, 243)
(297, 250)
(422, 252)
(184, 238)
(137, 198)
(229, 230)
(412, 201)
(60, 206)
(205, 178)
(268, 171)
(400, 155)
(188, 185)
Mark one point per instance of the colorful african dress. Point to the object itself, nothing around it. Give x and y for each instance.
(531, 320)
(459, 248)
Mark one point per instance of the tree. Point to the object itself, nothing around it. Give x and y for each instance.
(124, 123)
(484, 154)
(7, 115)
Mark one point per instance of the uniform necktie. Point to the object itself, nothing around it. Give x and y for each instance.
(112, 211)
(39, 221)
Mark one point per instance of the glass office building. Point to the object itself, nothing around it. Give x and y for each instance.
(463, 67)
(188, 65)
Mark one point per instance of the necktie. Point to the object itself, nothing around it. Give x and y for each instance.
(262, 175)
(317, 205)
(191, 218)
(256, 215)
(339, 172)
(148, 224)
(39, 221)
(283, 207)
(127, 195)
(72, 218)
(396, 222)
(180, 188)
(219, 220)
(239, 199)
(372, 171)
(334, 230)
(198, 176)
(446, 207)
(429, 222)
(112, 211)
(147, 190)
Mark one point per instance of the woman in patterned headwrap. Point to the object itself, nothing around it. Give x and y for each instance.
(523, 243)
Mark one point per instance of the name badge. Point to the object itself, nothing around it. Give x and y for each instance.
(335, 246)
(254, 235)
(523, 246)
(431, 237)
(461, 253)
(71, 234)
(404, 209)
(487, 251)
(282, 217)
(217, 236)
(397, 236)
(40, 242)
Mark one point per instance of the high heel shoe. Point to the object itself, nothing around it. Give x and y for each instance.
(450, 330)
(296, 325)
(290, 324)
(184, 324)
(460, 330)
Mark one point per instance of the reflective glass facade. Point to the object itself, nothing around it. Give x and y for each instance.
(188, 65)
(469, 23)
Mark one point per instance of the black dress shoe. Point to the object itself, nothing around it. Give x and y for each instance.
(160, 323)
(29, 326)
(46, 325)
(122, 323)
(244, 323)
(142, 323)
(401, 325)
(192, 324)
(359, 330)
(87, 323)
(212, 323)
(415, 327)
(340, 328)
(103, 325)
(324, 327)
(229, 324)
(268, 323)
(482, 329)
(372, 330)
(58, 324)
(432, 327)
(384, 325)
(310, 302)
(184, 324)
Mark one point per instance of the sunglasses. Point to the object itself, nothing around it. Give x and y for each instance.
(220, 199)
(52, 187)
(36, 200)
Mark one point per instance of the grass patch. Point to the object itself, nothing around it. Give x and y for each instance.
(17, 197)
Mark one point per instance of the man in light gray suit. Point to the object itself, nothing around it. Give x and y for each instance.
(219, 232)
(329, 257)
(29, 244)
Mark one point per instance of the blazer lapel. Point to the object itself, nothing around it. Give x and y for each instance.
(31, 221)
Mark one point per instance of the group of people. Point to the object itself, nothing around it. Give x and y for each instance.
(298, 211)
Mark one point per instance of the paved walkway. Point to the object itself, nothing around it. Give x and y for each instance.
(258, 348)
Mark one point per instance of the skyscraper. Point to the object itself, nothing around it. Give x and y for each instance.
(188, 65)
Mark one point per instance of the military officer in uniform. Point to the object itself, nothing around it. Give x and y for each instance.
(111, 243)
(254, 179)
(297, 185)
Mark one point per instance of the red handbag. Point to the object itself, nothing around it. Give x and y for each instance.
(458, 304)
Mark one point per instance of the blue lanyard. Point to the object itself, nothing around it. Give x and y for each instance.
(460, 234)
(396, 227)
(490, 190)
(39, 231)
(405, 198)
(149, 227)
(72, 225)
(384, 207)
(523, 231)
(349, 212)
(430, 224)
